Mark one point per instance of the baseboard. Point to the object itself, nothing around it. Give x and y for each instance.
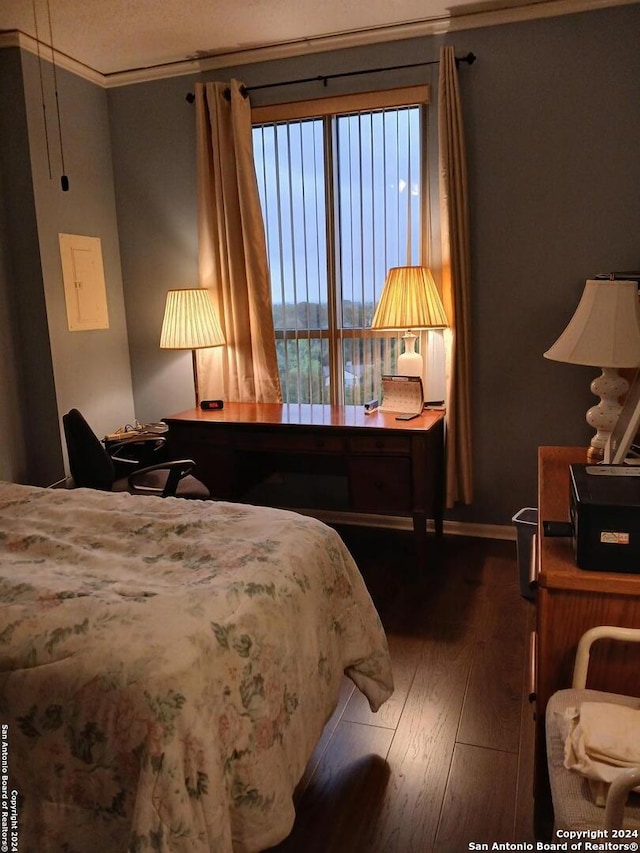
(481, 531)
(391, 522)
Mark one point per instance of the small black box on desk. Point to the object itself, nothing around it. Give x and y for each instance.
(604, 504)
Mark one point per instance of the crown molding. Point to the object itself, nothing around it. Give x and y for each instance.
(415, 29)
(321, 44)
(15, 38)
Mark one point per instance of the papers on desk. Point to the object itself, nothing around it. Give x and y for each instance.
(130, 432)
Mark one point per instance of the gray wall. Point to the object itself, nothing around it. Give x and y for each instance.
(29, 437)
(91, 368)
(12, 450)
(153, 144)
(552, 123)
(46, 369)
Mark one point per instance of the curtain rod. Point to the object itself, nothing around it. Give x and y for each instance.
(470, 58)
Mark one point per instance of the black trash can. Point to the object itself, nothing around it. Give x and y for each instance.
(526, 522)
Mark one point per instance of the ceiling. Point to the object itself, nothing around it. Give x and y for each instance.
(114, 36)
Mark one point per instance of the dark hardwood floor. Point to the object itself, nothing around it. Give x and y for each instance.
(448, 759)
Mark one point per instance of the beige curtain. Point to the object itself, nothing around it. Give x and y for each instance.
(455, 281)
(232, 250)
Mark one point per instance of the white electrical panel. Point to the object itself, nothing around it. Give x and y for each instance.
(84, 285)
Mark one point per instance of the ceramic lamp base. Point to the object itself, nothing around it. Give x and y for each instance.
(410, 362)
(609, 386)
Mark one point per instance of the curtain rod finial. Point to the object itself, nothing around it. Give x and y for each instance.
(470, 58)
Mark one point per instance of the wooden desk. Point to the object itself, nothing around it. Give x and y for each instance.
(391, 467)
(569, 602)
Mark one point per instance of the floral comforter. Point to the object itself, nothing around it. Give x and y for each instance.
(167, 666)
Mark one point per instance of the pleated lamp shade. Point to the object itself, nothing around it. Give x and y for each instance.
(190, 321)
(604, 330)
(409, 300)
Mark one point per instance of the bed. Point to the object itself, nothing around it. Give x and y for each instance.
(167, 666)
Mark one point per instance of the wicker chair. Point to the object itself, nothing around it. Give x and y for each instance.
(573, 804)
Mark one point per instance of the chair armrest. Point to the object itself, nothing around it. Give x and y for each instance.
(178, 469)
(113, 449)
(601, 632)
(617, 797)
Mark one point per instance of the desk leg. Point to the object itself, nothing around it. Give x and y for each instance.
(420, 537)
(427, 464)
(437, 521)
(439, 496)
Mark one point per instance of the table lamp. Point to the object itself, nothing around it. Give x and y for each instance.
(604, 332)
(190, 322)
(409, 300)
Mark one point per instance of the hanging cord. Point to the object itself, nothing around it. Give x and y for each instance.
(44, 106)
(64, 180)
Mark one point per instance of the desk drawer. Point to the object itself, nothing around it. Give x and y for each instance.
(290, 442)
(215, 436)
(381, 445)
(380, 485)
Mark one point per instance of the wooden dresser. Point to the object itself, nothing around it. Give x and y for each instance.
(569, 602)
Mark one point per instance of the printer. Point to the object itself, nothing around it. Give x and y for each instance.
(604, 506)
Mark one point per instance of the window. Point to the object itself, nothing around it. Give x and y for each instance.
(342, 193)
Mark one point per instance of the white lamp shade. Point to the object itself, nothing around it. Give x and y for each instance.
(605, 329)
(190, 321)
(409, 300)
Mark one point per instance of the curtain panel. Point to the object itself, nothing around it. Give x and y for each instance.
(232, 250)
(455, 281)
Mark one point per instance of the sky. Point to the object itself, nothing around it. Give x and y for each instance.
(377, 182)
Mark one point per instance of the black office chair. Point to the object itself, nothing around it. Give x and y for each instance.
(93, 468)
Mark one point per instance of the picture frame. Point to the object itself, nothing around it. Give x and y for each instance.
(626, 427)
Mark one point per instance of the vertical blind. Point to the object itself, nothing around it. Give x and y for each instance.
(342, 202)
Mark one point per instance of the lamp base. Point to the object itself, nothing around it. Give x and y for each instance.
(409, 362)
(595, 455)
(196, 384)
(609, 386)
